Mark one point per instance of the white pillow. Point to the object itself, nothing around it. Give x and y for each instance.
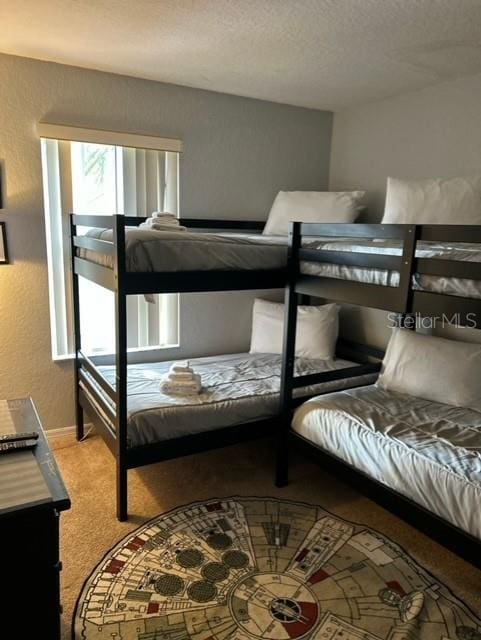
(436, 369)
(311, 206)
(316, 335)
(434, 201)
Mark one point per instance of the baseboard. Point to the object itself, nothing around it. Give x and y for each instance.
(66, 431)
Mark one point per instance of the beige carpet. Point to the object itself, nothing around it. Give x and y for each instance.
(90, 529)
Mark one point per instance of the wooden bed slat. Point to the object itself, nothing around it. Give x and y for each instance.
(98, 222)
(355, 230)
(97, 396)
(450, 233)
(338, 374)
(448, 268)
(199, 281)
(462, 311)
(103, 427)
(351, 258)
(95, 273)
(351, 292)
(94, 244)
(107, 388)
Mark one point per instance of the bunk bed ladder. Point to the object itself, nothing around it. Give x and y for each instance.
(120, 366)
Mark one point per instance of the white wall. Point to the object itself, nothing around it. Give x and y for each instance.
(238, 154)
(429, 133)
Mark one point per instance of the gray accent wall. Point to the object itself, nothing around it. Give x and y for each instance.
(430, 133)
(238, 153)
(434, 132)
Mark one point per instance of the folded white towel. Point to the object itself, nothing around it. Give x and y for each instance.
(164, 215)
(186, 388)
(165, 220)
(168, 390)
(181, 380)
(162, 227)
(167, 227)
(181, 367)
(162, 224)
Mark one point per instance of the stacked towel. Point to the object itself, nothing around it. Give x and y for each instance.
(162, 221)
(181, 381)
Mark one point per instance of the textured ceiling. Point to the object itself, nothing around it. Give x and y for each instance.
(328, 54)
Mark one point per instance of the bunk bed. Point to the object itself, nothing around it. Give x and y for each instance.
(371, 437)
(127, 260)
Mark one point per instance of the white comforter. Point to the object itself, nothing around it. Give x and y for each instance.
(429, 452)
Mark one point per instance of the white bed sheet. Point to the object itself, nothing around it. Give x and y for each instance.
(237, 388)
(427, 451)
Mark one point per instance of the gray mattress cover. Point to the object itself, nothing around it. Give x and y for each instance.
(427, 451)
(147, 250)
(167, 251)
(237, 388)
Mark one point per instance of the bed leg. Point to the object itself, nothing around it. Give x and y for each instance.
(79, 420)
(122, 514)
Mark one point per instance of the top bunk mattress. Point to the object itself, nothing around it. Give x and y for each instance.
(427, 451)
(237, 388)
(165, 251)
(169, 251)
(463, 252)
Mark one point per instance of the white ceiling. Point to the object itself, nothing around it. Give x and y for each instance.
(327, 54)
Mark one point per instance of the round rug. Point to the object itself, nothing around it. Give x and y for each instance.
(246, 568)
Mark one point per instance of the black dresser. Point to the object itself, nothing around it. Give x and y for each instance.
(32, 495)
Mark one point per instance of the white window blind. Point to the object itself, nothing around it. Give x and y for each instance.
(87, 177)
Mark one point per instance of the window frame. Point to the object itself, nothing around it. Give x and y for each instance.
(145, 318)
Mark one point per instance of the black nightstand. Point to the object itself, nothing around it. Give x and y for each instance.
(32, 495)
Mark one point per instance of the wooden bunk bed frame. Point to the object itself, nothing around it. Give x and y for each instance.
(106, 404)
(403, 300)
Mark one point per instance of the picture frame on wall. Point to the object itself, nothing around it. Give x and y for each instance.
(3, 244)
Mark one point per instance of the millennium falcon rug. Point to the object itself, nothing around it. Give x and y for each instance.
(248, 568)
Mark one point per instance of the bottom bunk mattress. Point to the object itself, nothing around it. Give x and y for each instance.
(236, 389)
(426, 451)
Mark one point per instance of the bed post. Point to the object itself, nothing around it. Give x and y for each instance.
(121, 366)
(79, 412)
(288, 355)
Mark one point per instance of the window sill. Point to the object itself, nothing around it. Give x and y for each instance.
(70, 357)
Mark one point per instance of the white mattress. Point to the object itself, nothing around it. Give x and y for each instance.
(429, 452)
(185, 251)
(237, 388)
(463, 252)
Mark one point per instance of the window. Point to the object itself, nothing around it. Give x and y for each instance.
(89, 177)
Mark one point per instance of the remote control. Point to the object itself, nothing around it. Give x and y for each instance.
(18, 445)
(14, 437)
